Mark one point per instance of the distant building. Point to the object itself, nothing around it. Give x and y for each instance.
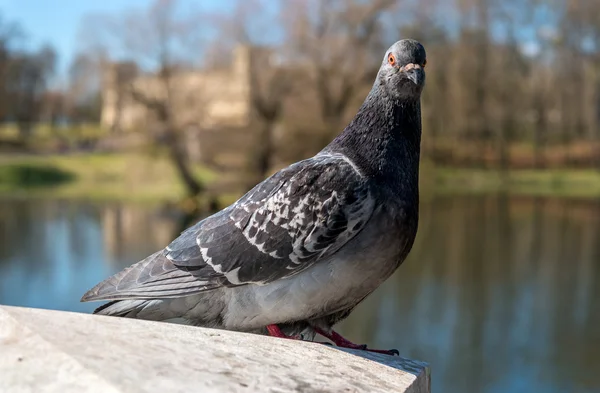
(202, 99)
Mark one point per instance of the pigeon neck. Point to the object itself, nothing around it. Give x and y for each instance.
(383, 140)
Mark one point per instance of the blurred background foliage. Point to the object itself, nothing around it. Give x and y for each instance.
(513, 89)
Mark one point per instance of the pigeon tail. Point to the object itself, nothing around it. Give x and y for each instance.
(154, 310)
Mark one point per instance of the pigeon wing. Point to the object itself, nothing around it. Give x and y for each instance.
(295, 218)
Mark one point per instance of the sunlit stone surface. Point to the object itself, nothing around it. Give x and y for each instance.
(53, 351)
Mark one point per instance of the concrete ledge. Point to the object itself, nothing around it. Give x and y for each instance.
(53, 351)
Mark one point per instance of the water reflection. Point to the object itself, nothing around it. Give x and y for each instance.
(499, 294)
(51, 252)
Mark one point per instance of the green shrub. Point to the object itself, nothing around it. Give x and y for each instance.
(30, 176)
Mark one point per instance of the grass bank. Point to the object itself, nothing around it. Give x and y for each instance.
(152, 178)
(129, 176)
(580, 183)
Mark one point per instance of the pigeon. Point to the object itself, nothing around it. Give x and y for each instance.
(299, 251)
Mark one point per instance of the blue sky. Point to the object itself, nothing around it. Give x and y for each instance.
(57, 22)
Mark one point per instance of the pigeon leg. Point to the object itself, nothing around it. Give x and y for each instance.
(275, 331)
(342, 342)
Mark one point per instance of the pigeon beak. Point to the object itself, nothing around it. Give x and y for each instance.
(414, 72)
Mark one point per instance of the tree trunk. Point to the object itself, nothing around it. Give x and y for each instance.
(596, 131)
(265, 149)
(539, 132)
(179, 158)
(503, 147)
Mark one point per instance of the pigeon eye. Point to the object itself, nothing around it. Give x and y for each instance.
(391, 59)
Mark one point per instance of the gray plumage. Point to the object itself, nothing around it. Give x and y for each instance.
(305, 246)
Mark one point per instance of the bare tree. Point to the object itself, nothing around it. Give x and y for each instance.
(477, 39)
(82, 95)
(11, 36)
(341, 41)
(271, 76)
(163, 40)
(170, 33)
(27, 78)
(268, 91)
(24, 76)
(583, 20)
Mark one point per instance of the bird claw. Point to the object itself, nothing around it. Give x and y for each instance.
(339, 341)
(363, 347)
(344, 343)
(390, 352)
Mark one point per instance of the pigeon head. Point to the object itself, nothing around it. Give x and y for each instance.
(402, 71)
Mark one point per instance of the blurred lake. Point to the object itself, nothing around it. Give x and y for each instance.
(500, 294)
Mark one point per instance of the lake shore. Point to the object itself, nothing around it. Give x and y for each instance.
(151, 178)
